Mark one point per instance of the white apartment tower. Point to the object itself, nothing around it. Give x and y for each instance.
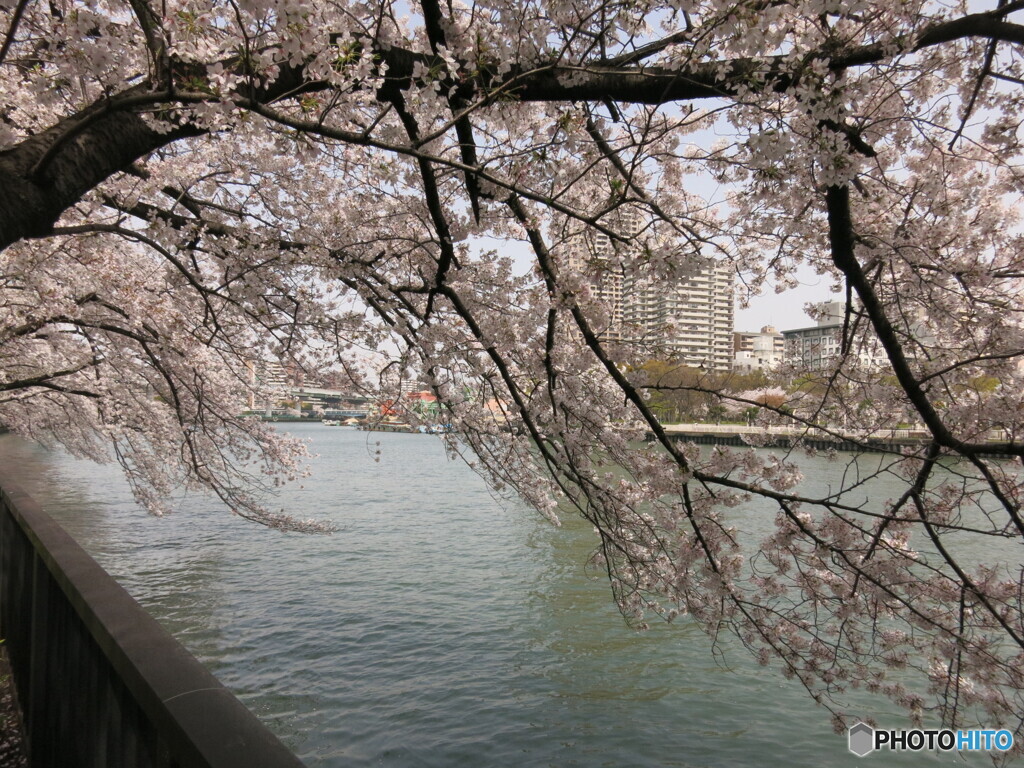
(594, 257)
(687, 319)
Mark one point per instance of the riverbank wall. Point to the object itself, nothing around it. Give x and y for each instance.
(98, 680)
(739, 435)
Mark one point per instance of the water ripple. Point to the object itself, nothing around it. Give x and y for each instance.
(437, 628)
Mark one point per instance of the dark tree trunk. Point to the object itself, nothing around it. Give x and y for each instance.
(47, 173)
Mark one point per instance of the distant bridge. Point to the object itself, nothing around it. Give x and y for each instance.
(332, 401)
(319, 395)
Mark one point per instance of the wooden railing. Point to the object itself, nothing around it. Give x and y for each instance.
(100, 683)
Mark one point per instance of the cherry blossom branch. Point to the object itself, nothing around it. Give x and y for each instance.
(841, 238)
(12, 28)
(47, 380)
(109, 122)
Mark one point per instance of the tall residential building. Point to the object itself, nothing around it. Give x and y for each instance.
(595, 257)
(689, 319)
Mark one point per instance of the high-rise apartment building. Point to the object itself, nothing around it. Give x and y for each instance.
(594, 256)
(687, 319)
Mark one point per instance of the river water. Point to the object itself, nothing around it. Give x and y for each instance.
(439, 626)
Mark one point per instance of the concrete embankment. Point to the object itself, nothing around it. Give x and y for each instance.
(887, 440)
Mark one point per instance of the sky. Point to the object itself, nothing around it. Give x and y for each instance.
(786, 310)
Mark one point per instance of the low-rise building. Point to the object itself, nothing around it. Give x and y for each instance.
(760, 351)
(818, 346)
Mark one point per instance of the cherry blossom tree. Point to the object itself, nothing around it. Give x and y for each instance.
(190, 188)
